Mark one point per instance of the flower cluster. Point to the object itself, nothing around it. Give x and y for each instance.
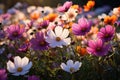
(36, 42)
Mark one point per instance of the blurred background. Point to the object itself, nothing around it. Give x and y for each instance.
(5, 4)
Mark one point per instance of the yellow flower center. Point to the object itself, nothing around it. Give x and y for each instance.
(98, 49)
(42, 43)
(15, 33)
(106, 35)
(71, 15)
(72, 69)
(19, 69)
(58, 38)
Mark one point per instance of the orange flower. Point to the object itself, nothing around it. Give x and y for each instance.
(51, 17)
(68, 25)
(81, 51)
(110, 19)
(77, 7)
(35, 15)
(90, 4)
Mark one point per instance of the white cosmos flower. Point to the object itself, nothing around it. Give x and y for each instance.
(20, 66)
(70, 15)
(31, 8)
(102, 16)
(70, 66)
(58, 38)
(118, 36)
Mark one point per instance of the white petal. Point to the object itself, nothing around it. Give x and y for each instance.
(65, 67)
(27, 67)
(77, 65)
(48, 39)
(23, 72)
(65, 33)
(55, 44)
(16, 74)
(51, 34)
(66, 41)
(25, 61)
(10, 67)
(58, 31)
(18, 61)
(70, 63)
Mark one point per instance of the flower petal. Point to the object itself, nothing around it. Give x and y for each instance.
(65, 33)
(65, 67)
(18, 61)
(70, 63)
(27, 67)
(58, 31)
(10, 67)
(77, 65)
(25, 61)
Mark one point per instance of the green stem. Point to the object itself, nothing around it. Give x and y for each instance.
(72, 78)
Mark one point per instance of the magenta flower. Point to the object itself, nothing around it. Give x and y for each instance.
(82, 27)
(106, 33)
(24, 47)
(3, 75)
(98, 47)
(39, 43)
(33, 77)
(65, 6)
(44, 24)
(15, 32)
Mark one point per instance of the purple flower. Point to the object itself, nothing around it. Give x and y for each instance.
(15, 32)
(33, 77)
(106, 33)
(65, 6)
(82, 27)
(98, 47)
(3, 75)
(24, 47)
(39, 43)
(6, 16)
(43, 24)
(2, 34)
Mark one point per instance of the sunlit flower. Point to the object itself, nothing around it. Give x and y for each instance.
(35, 15)
(31, 9)
(92, 34)
(71, 14)
(71, 66)
(116, 11)
(90, 4)
(65, 6)
(102, 16)
(51, 17)
(110, 19)
(106, 33)
(82, 27)
(3, 75)
(98, 47)
(15, 31)
(118, 36)
(44, 11)
(20, 66)
(58, 38)
(81, 50)
(43, 25)
(39, 43)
